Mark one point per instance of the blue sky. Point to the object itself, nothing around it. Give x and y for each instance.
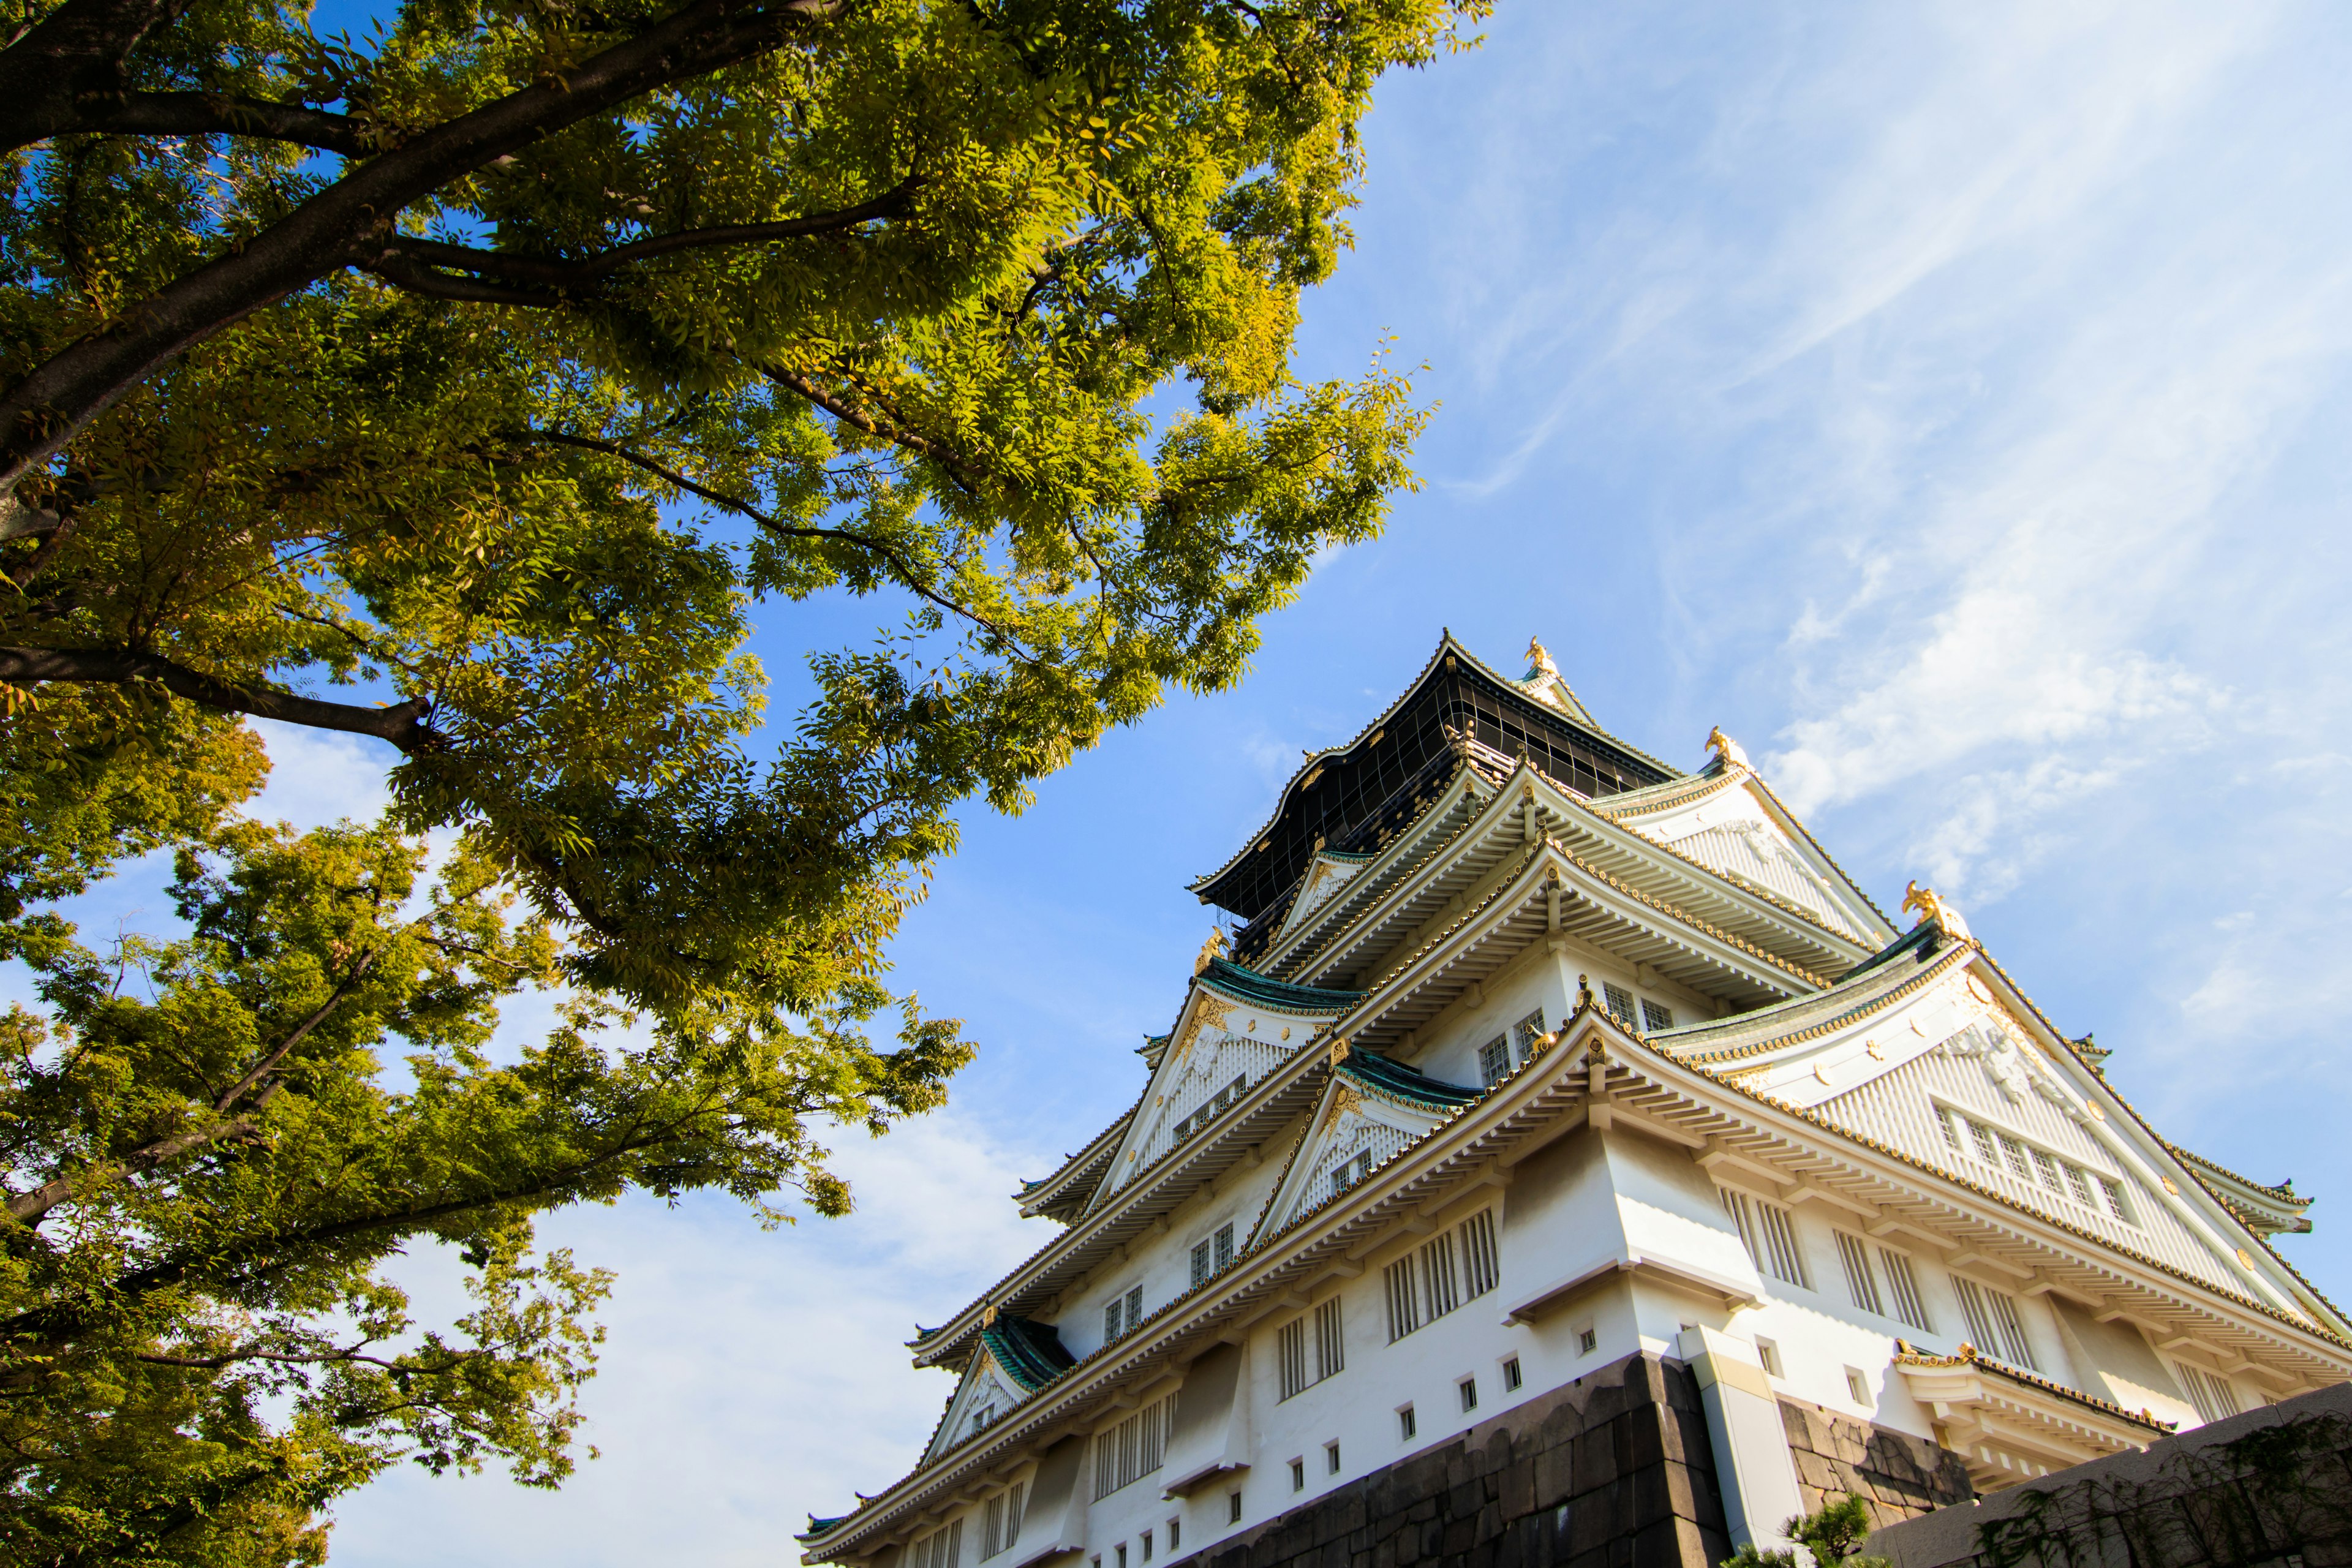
(1948, 402)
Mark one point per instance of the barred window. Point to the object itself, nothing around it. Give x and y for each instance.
(1404, 1298)
(2016, 1153)
(2115, 1195)
(1769, 1235)
(1000, 1521)
(941, 1548)
(1441, 1284)
(1904, 1286)
(1481, 1263)
(1291, 1349)
(2213, 1396)
(1330, 1350)
(1290, 1355)
(1656, 1014)
(1619, 1001)
(1122, 1314)
(1494, 1061)
(1125, 1453)
(2047, 1169)
(1224, 1243)
(1212, 1254)
(1994, 1323)
(1951, 1134)
(2081, 1186)
(1861, 1281)
(1987, 1150)
(1203, 1265)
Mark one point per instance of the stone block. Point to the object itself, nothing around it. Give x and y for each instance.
(1515, 1491)
(1596, 1462)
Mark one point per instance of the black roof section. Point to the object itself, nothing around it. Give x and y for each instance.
(1337, 800)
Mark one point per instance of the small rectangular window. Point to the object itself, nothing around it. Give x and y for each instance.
(1494, 1061)
(2215, 1400)
(1175, 1533)
(940, 1549)
(1224, 1245)
(1904, 1286)
(1469, 1387)
(1232, 1507)
(2016, 1153)
(2047, 1169)
(1331, 1459)
(1951, 1134)
(1994, 1323)
(1511, 1375)
(1656, 1015)
(1441, 1282)
(1619, 1001)
(1122, 1555)
(1987, 1150)
(1770, 1354)
(1203, 1264)
(1146, 1539)
(1860, 1282)
(1290, 1356)
(2081, 1186)
(1857, 1386)
(1770, 1235)
(2115, 1196)
(1587, 1341)
(1406, 1425)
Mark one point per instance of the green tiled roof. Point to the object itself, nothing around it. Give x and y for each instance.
(1249, 986)
(1398, 1081)
(819, 1526)
(1031, 1352)
(1922, 936)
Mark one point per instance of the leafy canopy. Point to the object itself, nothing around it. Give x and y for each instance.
(472, 386)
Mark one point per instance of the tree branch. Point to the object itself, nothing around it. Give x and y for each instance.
(849, 413)
(343, 225)
(591, 271)
(80, 47)
(216, 115)
(33, 1206)
(906, 574)
(406, 725)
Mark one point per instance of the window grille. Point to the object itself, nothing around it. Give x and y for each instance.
(1441, 1282)
(1619, 1001)
(1951, 1134)
(1330, 1350)
(941, 1548)
(1994, 1323)
(1000, 1521)
(1904, 1286)
(1469, 1387)
(2081, 1186)
(1211, 1255)
(1480, 1261)
(1987, 1150)
(1512, 1376)
(1224, 1242)
(1861, 1280)
(1656, 1015)
(1290, 1352)
(2016, 1153)
(1769, 1235)
(1132, 1449)
(1203, 1265)
(1494, 1061)
(1122, 1314)
(2213, 1396)
(1347, 1173)
(2047, 1169)
(2115, 1195)
(1524, 1032)
(1404, 1300)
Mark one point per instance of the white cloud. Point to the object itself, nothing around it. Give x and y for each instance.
(316, 776)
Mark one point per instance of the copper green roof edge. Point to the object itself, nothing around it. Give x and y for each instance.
(1445, 643)
(1387, 1076)
(1917, 936)
(1862, 1005)
(1031, 1352)
(2260, 1240)
(824, 1526)
(1905, 1157)
(1248, 986)
(1977, 1358)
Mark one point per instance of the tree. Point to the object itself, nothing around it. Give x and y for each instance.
(496, 370)
(1831, 1534)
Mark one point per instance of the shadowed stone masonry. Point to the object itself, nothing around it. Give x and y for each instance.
(1897, 1476)
(1613, 1469)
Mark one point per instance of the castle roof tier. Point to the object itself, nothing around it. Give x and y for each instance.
(1526, 1071)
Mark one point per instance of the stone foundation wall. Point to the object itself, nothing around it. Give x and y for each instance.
(1613, 1471)
(1900, 1477)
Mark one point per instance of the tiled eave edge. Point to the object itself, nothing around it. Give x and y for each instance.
(2060, 1037)
(2339, 1341)
(1059, 1187)
(1496, 820)
(2283, 1195)
(1675, 1042)
(1976, 1361)
(1459, 1148)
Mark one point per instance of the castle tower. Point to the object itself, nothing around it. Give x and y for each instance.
(1568, 1153)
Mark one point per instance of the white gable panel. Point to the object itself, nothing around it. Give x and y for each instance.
(1192, 1088)
(984, 1391)
(1354, 1129)
(1330, 872)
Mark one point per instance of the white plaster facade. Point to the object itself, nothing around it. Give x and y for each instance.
(1853, 1167)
